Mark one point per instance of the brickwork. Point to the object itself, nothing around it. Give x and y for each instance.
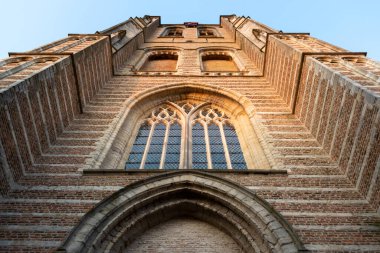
(344, 118)
(179, 237)
(313, 106)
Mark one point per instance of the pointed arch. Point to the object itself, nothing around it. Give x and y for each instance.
(118, 220)
(120, 140)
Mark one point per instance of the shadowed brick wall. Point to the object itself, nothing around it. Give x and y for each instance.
(127, 50)
(34, 112)
(342, 112)
(179, 236)
(38, 109)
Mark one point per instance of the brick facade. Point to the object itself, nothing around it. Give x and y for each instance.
(313, 109)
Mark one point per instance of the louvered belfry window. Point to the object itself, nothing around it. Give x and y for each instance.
(186, 135)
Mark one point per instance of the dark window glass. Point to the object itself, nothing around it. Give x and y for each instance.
(137, 152)
(199, 147)
(173, 148)
(216, 147)
(234, 149)
(153, 158)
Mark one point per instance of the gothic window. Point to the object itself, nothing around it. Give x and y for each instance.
(172, 32)
(220, 140)
(186, 135)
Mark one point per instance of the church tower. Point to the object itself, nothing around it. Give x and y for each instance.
(150, 137)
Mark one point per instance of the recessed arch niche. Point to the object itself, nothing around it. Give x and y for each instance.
(115, 223)
(214, 59)
(159, 59)
(115, 152)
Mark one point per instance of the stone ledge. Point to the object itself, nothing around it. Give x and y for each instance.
(155, 171)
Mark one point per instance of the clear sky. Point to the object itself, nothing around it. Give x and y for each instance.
(351, 24)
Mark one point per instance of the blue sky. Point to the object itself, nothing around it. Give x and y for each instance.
(351, 24)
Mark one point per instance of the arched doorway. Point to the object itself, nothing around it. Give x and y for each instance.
(121, 219)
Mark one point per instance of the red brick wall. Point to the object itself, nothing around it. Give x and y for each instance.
(282, 63)
(34, 113)
(94, 68)
(344, 118)
(228, 26)
(151, 27)
(126, 51)
(252, 51)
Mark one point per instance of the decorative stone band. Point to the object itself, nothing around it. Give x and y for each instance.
(118, 220)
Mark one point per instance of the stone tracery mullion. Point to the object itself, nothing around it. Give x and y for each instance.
(226, 153)
(207, 141)
(188, 130)
(147, 146)
(164, 146)
(159, 116)
(207, 116)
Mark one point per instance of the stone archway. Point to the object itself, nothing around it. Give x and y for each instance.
(118, 220)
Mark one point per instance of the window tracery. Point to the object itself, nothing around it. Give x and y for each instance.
(186, 135)
(150, 149)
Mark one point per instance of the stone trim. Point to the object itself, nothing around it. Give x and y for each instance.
(157, 171)
(116, 221)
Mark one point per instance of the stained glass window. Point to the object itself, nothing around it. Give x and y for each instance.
(199, 152)
(155, 149)
(138, 148)
(218, 156)
(234, 149)
(173, 150)
(212, 142)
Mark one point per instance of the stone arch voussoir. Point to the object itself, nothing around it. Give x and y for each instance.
(115, 222)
